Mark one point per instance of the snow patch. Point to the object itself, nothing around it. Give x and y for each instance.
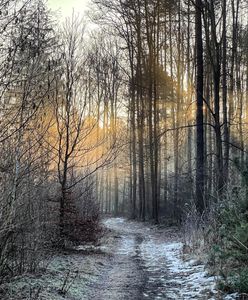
(189, 280)
(232, 296)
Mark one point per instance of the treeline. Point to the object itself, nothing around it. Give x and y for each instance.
(54, 133)
(187, 105)
(186, 67)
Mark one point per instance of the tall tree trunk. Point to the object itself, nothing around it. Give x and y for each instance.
(134, 159)
(189, 138)
(224, 96)
(199, 109)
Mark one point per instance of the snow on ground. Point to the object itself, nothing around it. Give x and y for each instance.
(189, 279)
(232, 296)
(174, 277)
(135, 261)
(168, 275)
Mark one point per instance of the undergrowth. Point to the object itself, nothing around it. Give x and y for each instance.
(221, 236)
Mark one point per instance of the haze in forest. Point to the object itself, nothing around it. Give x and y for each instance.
(65, 7)
(123, 149)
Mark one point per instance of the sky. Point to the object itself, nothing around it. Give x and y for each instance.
(66, 6)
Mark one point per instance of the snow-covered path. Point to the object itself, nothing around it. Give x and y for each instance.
(135, 261)
(147, 264)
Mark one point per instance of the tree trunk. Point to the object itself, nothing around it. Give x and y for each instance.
(224, 95)
(199, 110)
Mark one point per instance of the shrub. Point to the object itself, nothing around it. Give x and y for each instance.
(236, 281)
(229, 252)
(82, 216)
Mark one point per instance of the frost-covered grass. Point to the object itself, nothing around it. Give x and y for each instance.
(66, 277)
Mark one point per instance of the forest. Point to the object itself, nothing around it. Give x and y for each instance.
(124, 149)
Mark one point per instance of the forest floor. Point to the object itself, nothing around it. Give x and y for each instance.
(135, 261)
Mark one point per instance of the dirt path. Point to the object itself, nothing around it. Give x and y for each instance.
(146, 263)
(124, 278)
(134, 262)
(131, 275)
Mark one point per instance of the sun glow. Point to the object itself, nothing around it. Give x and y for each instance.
(65, 7)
